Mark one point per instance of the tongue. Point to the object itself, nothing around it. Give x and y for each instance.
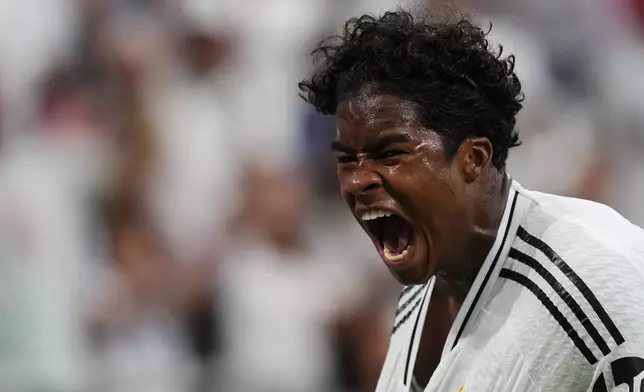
(396, 235)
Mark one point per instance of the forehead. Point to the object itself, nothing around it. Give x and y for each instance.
(367, 116)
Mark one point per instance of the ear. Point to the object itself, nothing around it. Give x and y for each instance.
(475, 154)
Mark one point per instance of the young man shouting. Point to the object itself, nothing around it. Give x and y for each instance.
(505, 289)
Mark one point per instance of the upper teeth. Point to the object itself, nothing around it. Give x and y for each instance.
(374, 214)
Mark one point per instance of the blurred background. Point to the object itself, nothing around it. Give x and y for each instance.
(169, 217)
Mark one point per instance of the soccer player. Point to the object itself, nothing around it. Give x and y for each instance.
(506, 289)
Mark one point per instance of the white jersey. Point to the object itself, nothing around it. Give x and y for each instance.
(558, 305)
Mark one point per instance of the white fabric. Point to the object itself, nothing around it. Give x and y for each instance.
(505, 339)
(146, 351)
(276, 311)
(192, 188)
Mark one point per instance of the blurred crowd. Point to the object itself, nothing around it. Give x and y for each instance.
(169, 217)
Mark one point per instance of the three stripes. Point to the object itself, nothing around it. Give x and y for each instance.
(564, 295)
(405, 307)
(408, 308)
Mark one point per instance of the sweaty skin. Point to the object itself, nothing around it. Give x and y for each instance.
(454, 204)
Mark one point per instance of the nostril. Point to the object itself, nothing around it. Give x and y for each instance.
(370, 187)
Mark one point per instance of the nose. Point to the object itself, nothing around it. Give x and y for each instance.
(362, 180)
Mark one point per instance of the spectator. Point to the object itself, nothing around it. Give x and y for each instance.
(274, 293)
(136, 316)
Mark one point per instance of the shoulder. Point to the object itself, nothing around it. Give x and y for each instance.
(587, 235)
(575, 273)
(585, 238)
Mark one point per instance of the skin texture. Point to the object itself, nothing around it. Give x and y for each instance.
(454, 204)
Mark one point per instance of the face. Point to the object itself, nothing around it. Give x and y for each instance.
(400, 184)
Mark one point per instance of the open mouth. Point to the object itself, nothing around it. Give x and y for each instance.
(392, 234)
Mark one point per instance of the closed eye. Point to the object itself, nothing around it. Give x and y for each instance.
(391, 154)
(345, 158)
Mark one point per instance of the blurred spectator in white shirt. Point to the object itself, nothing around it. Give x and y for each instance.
(136, 314)
(272, 43)
(277, 295)
(49, 179)
(192, 185)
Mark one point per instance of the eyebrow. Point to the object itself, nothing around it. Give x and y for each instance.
(341, 147)
(379, 145)
(392, 138)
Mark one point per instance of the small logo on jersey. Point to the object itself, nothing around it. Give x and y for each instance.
(627, 370)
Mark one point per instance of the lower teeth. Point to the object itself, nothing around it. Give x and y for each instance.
(391, 256)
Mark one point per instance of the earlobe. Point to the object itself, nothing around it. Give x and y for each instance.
(476, 156)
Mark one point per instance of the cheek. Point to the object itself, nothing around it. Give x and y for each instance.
(439, 171)
(422, 184)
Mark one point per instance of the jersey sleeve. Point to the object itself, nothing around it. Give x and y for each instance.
(622, 368)
(624, 365)
(593, 292)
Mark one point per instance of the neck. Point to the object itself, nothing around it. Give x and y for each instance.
(485, 219)
(452, 286)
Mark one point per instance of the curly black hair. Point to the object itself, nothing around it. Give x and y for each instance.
(447, 69)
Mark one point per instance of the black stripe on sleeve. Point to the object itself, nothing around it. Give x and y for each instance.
(489, 273)
(564, 295)
(530, 285)
(576, 280)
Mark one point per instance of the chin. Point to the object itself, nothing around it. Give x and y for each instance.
(416, 274)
